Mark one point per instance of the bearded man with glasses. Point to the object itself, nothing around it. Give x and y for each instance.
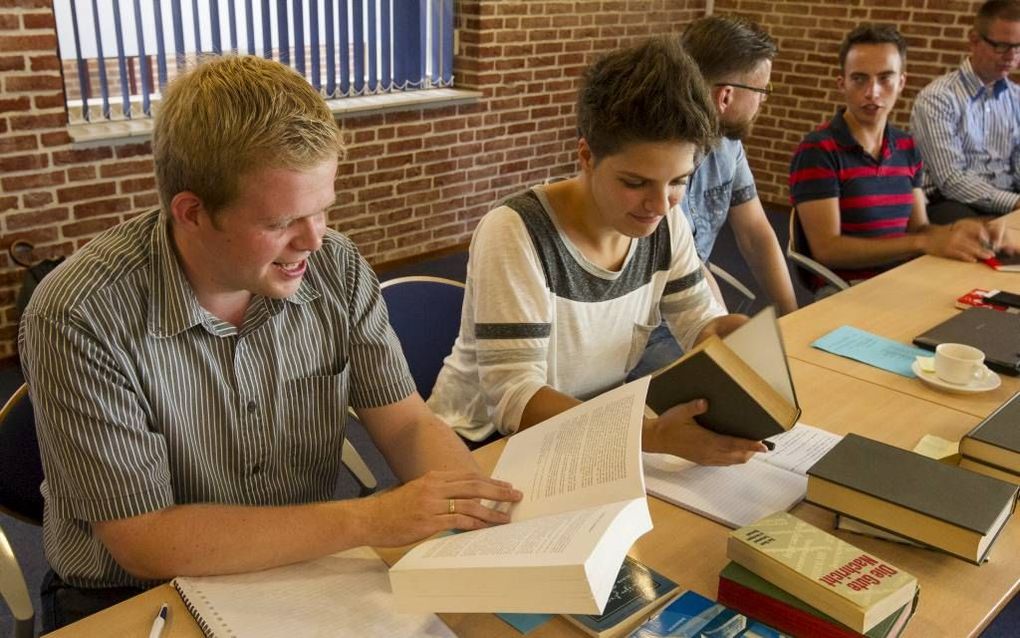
(967, 123)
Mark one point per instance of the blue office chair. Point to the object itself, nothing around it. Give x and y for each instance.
(20, 498)
(425, 314)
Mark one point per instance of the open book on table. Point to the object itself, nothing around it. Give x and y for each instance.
(584, 506)
(738, 495)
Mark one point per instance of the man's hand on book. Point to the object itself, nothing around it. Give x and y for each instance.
(676, 433)
(435, 502)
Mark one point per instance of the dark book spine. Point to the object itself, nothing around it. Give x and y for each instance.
(786, 618)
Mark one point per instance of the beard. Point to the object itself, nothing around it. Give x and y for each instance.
(737, 131)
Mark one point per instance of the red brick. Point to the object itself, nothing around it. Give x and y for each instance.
(18, 163)
(91, 191)
(35, 200)
(145, 201)
(35, 122)
(32, 236)
(38, 20)
(36, 218)
(12, 63)
(89, 227)
(45, 63)
(137, 184)
(134, 150)
(15, 104)
(81, 173)
(102, 207)
(58, 138)
(119, 169)
(21, 43)
(78, 156)
(35, 180)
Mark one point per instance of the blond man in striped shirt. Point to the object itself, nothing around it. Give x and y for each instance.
(191, 368)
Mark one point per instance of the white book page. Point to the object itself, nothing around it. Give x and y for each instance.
(586, 456)
(559, 539)
(800, 447)
(346, 594)
(759, 343)
(734, 495)
(738, 495)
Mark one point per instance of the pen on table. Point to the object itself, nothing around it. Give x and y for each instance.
(769, 444)
(159, 622)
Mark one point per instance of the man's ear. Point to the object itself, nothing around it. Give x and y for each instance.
(722, 96)
(840, 82)
(585, 156)
(186, 209)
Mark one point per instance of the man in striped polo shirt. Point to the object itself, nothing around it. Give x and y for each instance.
(967, 123)
(191, 368)
(856, 181)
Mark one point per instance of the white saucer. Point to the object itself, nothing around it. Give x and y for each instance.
(989, 381)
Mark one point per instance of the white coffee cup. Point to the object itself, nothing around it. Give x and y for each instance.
(958, 363)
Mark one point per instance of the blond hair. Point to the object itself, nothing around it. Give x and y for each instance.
(232, 115)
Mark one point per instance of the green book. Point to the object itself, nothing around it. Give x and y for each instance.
(752, 595)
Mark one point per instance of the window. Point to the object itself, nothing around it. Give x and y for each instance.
(117, 60)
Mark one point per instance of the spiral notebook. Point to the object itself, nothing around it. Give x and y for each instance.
(346, 594)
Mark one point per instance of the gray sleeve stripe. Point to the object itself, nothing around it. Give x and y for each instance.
(683, 283)
(513, 330)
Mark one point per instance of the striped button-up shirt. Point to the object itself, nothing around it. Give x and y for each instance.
(144, 400)
(969, 137)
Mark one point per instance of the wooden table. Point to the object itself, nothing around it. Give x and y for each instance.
(957, 599)
(899, 305)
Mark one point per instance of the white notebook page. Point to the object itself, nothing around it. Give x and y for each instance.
(738, 495)
(346, 594)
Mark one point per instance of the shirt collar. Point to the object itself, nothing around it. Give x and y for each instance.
(173, 306)
(843, 136)
(974, 86)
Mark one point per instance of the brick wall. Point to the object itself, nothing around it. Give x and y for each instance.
(809, 34)
(412, 182)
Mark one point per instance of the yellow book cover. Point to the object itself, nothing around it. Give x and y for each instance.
(849, 584)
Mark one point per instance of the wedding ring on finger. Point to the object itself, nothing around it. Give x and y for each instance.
(453, 507)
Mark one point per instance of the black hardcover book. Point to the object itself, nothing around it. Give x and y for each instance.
(944, 506)
(744, 377)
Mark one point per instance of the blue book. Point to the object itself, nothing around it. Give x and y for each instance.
(694, 616)
(637, 593)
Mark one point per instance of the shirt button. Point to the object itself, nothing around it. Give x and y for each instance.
(251, 407)
(256, 469)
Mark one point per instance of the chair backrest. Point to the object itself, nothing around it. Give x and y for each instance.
(811, 274)
(19, 457)
(425, 314)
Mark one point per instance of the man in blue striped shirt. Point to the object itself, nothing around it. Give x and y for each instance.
(967, 123)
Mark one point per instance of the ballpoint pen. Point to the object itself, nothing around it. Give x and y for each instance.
(159, 622)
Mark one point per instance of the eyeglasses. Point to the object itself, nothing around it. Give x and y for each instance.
(767, 91)
(1000, 47)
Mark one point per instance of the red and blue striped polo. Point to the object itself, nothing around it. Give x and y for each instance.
(876, 196)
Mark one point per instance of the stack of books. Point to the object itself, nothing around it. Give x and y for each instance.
(993, 447)
(807, 583)
(943, 506)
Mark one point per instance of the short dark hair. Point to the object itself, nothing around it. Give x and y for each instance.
(651, 92)
(726, 45)
(996, 9)
(872, 34)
